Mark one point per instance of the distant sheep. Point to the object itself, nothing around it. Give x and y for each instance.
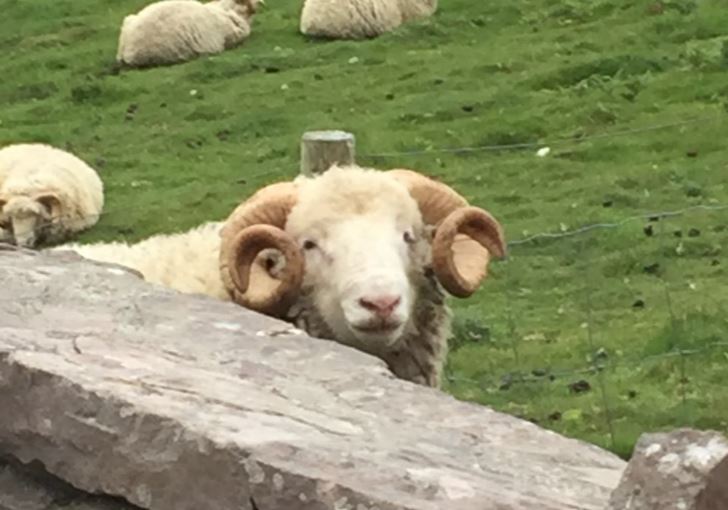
(46, 195)
(184, 261)
(360, 19)
(173, 31)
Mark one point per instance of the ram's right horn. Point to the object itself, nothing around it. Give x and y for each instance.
(256, 225)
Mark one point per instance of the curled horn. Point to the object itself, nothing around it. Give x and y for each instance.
(255, 225)
(465, 236)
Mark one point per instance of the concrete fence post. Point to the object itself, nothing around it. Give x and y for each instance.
(322, 149)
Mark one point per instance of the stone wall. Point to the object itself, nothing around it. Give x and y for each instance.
(139, 394)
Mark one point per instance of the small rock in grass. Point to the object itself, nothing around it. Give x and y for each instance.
(693, 191)
(652, 268)
(581, 386)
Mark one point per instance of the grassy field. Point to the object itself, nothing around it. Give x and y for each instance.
(589, 78)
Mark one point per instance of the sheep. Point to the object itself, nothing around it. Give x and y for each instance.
(46, 194)
(365, 258)
(184, 261)
(174, 31)
(356, 255)
(360, 19)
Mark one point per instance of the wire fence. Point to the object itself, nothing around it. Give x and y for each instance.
(602, 353)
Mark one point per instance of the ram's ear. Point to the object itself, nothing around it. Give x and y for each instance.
(3, 201)
(51, 202)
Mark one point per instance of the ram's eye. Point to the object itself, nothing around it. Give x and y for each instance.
(309, 245)
(408, 237)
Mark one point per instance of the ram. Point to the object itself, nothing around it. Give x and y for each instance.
(174, 31)
(46, 194)
(360, 19)
(359, 256)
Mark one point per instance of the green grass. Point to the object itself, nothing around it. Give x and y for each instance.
(477, 73)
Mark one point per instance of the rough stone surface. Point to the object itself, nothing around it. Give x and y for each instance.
(31, 488)
(178, 402)
(681, 470)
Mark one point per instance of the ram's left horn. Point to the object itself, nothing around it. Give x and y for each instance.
(272, 296)
(255, 225)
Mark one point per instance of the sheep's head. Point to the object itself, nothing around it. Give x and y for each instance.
(25, 218)
(418, 8)
(357, 240)
(248, 8)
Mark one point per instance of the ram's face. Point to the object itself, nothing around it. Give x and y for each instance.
(362, 252)
(353, 245)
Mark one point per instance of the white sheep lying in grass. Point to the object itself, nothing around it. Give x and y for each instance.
(360, 19)
(173, 31)
(359, 256)
(46, 194)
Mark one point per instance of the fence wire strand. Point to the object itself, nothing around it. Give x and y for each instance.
(612, 225)
(593, 369)
(541, 235)
(547, 143)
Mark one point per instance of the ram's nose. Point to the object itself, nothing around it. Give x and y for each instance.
(382, 306)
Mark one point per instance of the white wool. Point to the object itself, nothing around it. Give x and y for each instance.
(32, 170)
(359, 19)
(174, 31)
(184, 261)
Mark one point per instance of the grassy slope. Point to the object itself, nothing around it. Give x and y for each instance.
(477, 73)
